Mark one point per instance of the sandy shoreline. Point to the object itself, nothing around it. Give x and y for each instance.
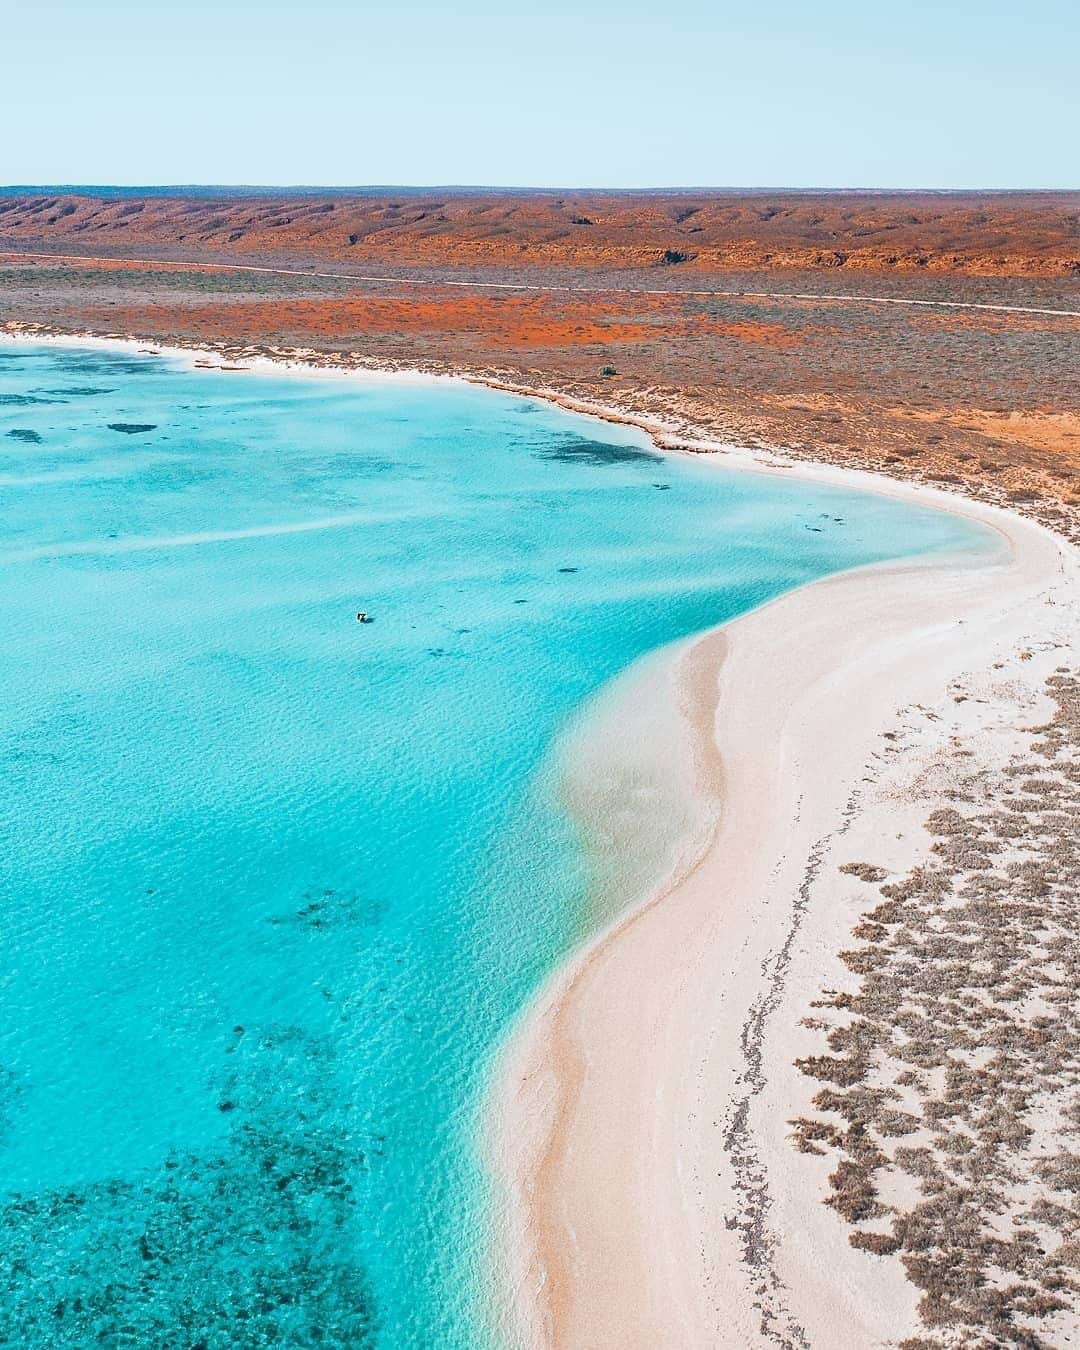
(640, 1121)
(657, 1203)
(662, 434)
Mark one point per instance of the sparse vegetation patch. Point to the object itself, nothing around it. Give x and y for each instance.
(952, 1074)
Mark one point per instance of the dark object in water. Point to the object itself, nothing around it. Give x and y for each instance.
(132, 428)
(662, 487)
(363, 617)
(582, 450)
(567, 569)
(25, 434)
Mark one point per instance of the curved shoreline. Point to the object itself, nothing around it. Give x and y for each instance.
(664, 436)
(630, 1136)
(681, 990)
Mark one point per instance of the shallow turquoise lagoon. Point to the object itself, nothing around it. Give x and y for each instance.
(273, 884)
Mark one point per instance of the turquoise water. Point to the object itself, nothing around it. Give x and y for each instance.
(273, 883)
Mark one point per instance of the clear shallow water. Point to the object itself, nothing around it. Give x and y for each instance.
(273, 883)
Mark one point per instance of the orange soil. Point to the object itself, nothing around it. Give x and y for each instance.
(988, 234)
(1053, 433)
(491, 322)
(951, 396)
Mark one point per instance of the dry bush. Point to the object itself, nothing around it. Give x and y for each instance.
(966, 1026)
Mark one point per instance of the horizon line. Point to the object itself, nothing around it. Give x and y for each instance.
(362, 189)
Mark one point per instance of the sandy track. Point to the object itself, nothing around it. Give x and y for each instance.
(564, 289)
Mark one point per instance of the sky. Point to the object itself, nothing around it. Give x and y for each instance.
(543, 93)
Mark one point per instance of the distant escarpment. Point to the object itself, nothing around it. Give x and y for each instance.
(979, 234)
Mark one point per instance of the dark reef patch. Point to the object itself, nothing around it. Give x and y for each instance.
(107, 364)
(582, 450)
(329, 909)
(249, 1242)
(25, 434)
(133, 428)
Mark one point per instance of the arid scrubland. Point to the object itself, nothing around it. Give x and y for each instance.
(950, 1070)
(942, 1074)
(928, 338)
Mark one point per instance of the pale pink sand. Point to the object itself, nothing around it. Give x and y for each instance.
(648, 1091)
(659, 1062)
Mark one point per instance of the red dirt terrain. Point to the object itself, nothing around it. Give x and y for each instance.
(952, 356)
(1002, 234)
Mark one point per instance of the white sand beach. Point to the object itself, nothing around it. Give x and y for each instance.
(641, 1122)
(639, 1128)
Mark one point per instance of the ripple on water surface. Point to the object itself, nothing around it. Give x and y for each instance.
(274, 882)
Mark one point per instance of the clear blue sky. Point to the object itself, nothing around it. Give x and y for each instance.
(543, 92)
